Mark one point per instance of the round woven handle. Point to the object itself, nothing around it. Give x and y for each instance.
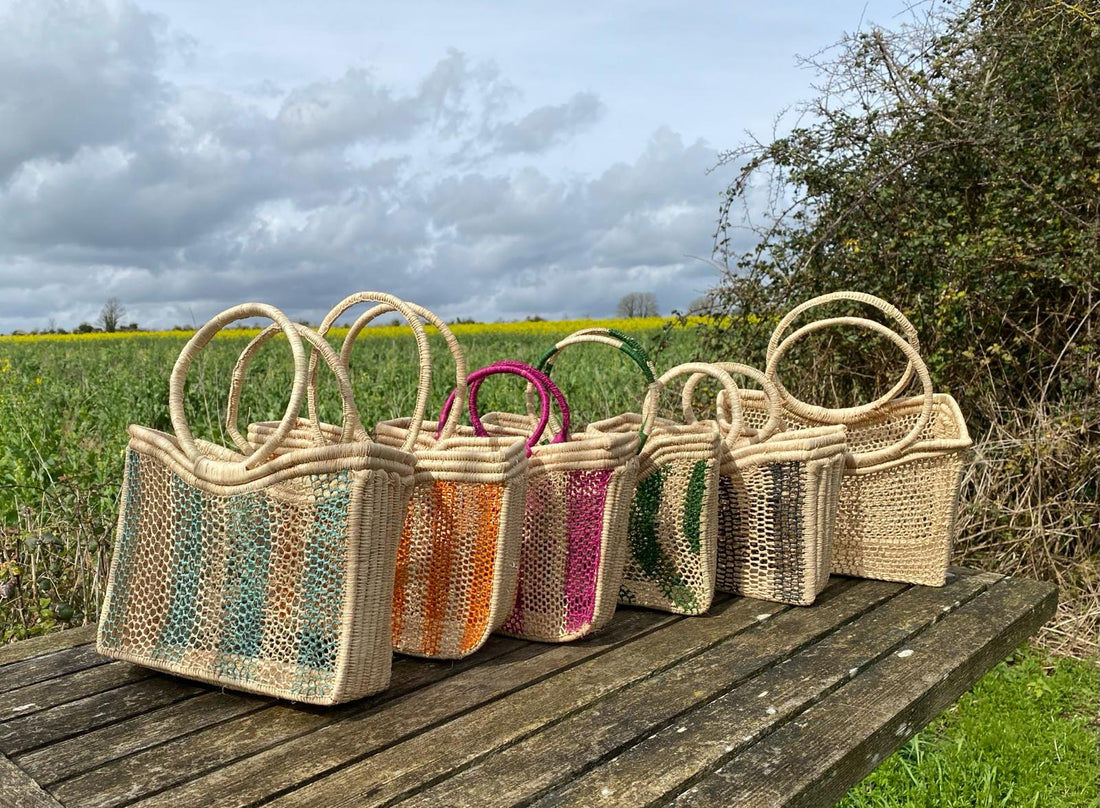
(907, 328)
(453, 346)
(649, 406)
(178, 379)
(844, 416)
(601, 336)
(534, 377)
(616, 338)
(352, 426)
(604, 336)
(424, 382)
(542, 383)
(735, 413)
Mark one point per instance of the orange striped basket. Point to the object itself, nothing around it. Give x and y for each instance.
(458, 558)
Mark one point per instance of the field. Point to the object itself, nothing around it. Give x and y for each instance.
(65, 403)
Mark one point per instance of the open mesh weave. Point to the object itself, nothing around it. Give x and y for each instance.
(447, 562)
(672, 538)
(896, 520)
(245, 589)
(775, 524)
(574, 531)
(458, 556)
(562, 555)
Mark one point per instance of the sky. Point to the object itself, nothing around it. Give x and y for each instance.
(486, 160)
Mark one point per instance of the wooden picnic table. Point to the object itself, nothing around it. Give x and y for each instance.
(753, 704)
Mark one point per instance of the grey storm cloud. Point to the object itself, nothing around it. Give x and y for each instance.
(73, 76)
(548, 126)
(181, 200)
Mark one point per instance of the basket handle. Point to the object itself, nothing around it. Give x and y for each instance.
(536, 380)
(907, 329)
(649, 406)
(412, 316)
(231, 471)
(733, 408)
(848, 415)
(476, 377)
(452, 345)
(352, 426)
(543, 384)
(603, 336)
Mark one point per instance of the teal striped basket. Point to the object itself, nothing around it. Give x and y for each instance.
(269, 571)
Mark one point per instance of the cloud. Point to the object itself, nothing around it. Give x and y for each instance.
(74, 75)
(182, 200)
(352, 108)
(545, 127)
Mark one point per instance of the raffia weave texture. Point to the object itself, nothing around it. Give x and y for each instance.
(276, 589)
(776, 497)
(898, 498)
(673, 524)
(269, 571)
(896, 520)
(776, 514)
(458, 558)
(574, 532)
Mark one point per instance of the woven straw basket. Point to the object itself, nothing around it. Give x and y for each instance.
(898, 497)
(271, 570)
(574, 532)
(458, 557)
(673, 528)
(777, 496)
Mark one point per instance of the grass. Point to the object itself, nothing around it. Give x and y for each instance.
(1025, 735)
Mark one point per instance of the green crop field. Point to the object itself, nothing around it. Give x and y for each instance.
(65, 403)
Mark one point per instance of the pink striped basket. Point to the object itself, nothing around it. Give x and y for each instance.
(574, 530)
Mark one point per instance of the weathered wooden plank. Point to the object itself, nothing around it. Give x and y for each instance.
(478, 680)
(713, 730)
(41, 696)
(84, 752)
(49, 666)
(86, 714)
(36, 646)
(181, 759)
(815, 759)
(17, 790)
(408, 766)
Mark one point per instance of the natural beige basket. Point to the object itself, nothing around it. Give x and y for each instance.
(269, 570)
(898, 498)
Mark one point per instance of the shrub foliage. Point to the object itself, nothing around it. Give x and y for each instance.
(951, 166)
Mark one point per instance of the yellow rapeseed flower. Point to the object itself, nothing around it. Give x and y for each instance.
(503, 329)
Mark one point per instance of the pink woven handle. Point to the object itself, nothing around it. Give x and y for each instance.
(542, 385)
(542, 381)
